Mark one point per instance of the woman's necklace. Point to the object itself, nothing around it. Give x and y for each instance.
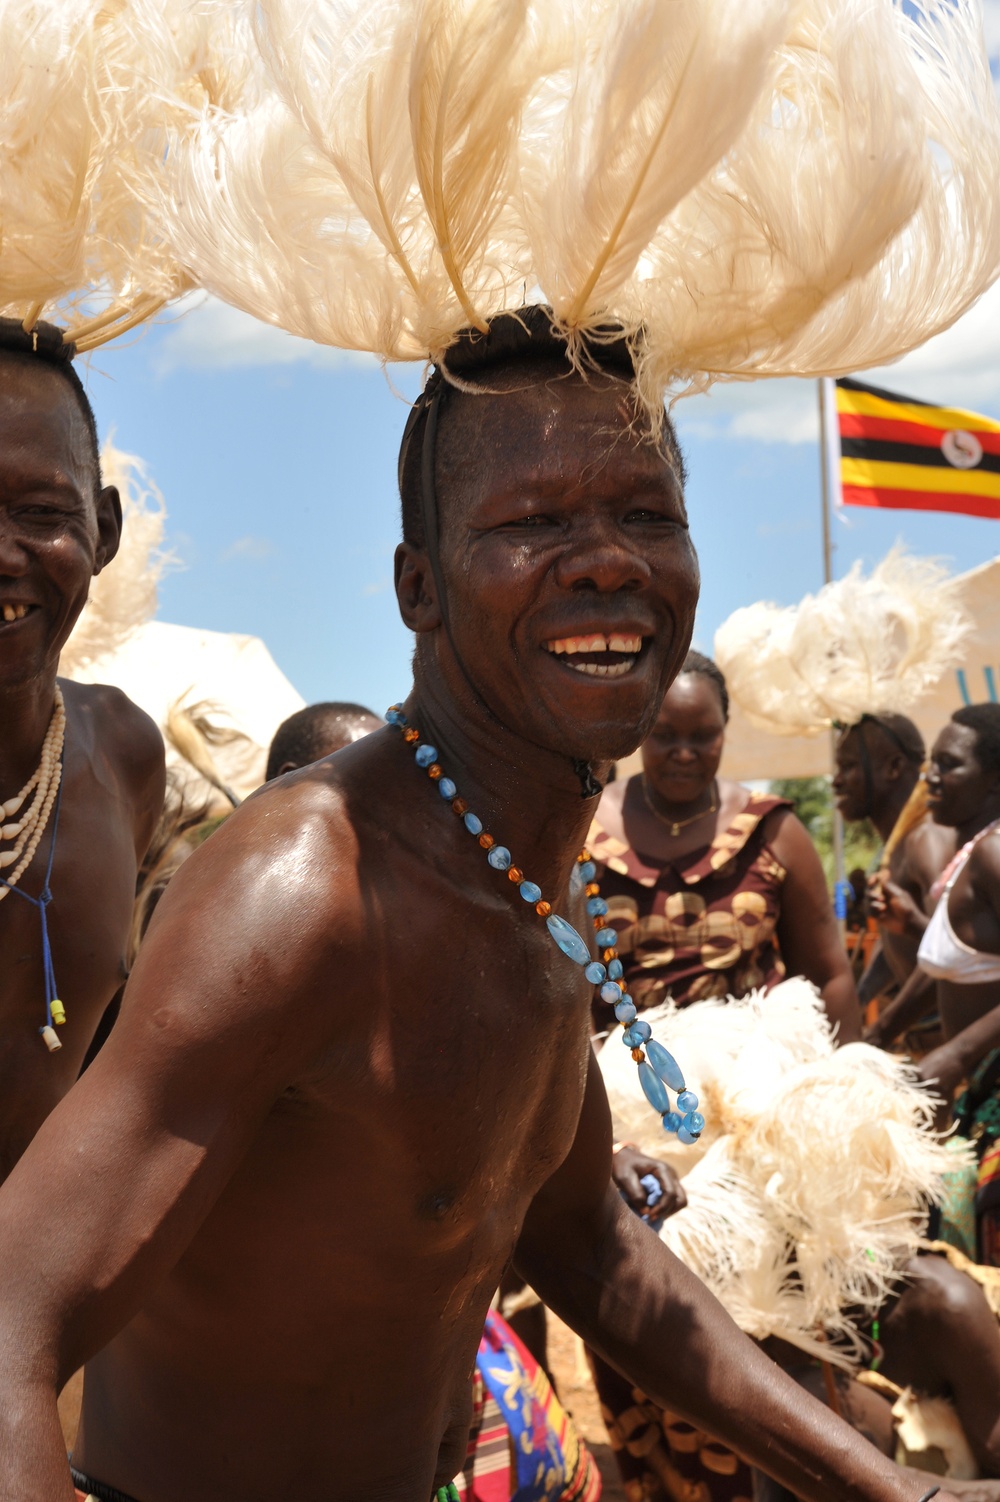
(26, 833)
(676, 825)
(658, 1069)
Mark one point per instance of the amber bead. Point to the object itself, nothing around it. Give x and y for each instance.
(411, 735)
(609, 954)
(459, 806)
(583, 856)
(543, 908)
(434, 771)
(514, 873)
(600, 923)
(487, 841)
(638, 1056)
(592, 889)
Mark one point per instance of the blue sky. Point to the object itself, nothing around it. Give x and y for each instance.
(277, 463)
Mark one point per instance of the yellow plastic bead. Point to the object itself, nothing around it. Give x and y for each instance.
(58, 1012)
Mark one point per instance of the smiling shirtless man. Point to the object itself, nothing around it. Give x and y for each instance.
(58, 528)
(339, 966)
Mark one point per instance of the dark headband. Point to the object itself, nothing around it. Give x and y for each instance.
(44, 340)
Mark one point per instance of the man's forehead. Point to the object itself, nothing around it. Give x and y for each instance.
(40, 415)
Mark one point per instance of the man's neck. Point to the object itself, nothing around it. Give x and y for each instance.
(530, 799)
(25, 715)
(889, 807)
(988, 815)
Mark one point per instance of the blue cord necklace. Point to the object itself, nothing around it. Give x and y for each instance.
(55, 1012)
(658, 1069)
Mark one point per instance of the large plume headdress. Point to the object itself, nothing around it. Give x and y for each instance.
(754, 186)
(859, 646)
(88, 90)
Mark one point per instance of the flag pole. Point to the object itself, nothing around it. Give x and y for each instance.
(829, 445)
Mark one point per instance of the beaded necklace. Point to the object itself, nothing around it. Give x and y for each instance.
(26, 834)
(658, 1069)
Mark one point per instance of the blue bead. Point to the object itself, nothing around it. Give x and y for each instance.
(569, 941)
(687, 1101)
(653, 1088)
(424, 755)
(683, 1135)
(615, 970)
(642, 1029)
(695, 1123)
(447, 788)
(630, 1039)
(607, 938)
(625, 1011)
(595, 972)
(611, 992)
(530, 892)
(473, 823)
(587, 871)
(395, 716)
(671, 1122)
(596, 907)
(666, 1066)
(499, 857)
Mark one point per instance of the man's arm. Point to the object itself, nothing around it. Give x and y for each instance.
(124, 1171)
(613, 1281)
(915, 999)
(807, 930)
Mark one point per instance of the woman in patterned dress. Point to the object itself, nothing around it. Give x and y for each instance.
(715, 891)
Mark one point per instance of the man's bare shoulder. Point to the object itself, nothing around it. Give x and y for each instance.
(122, 731)
(926, 850)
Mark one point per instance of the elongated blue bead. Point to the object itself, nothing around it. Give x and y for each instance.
(653, 1088)
(447, 788)
(683, 1135)
(530, 892)
(671, 1122)
(606, 938)
(665, 1065)
(424, 755)
(567, 938)
(695, 1123)
(611, 992)
(625, 1011)
(687, 1101)
(473, 823)
(595, 973)
(499, 857)
(596, 907)
(587, 871)
(615, 970)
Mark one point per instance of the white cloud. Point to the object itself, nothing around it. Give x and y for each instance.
(256, 549)
(210, 335)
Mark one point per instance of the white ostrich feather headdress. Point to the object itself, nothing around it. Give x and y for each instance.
(88, 89)
(858, 646)
(745, 187)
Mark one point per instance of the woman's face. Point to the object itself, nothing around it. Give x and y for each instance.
(683, 751)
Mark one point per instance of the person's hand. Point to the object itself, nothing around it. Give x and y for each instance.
(942, 1069)
(875, 1035)
(893, 908)
(629, 1167)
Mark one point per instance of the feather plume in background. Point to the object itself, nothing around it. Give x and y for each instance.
(858, 646)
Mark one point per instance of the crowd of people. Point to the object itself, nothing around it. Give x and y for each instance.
(279, 1157)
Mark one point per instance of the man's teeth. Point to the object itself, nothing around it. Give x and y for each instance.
(630, 645)
(14, 612)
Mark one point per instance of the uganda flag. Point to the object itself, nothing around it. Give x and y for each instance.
(909, 455)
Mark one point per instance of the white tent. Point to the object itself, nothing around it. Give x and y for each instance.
(159, 664)
(754, 754)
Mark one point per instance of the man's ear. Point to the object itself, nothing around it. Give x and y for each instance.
(109, 526)
(415, 589)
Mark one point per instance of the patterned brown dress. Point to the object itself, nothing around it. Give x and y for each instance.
(702, 929)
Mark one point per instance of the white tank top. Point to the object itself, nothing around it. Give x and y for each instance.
(942, 953)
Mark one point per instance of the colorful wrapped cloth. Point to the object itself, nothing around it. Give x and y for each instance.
(523, 1446)
(977, 1118)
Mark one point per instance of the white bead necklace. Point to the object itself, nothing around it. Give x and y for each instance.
(27, 831)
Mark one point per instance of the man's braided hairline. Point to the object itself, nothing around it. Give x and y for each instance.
(984, 721)
(45, 343)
